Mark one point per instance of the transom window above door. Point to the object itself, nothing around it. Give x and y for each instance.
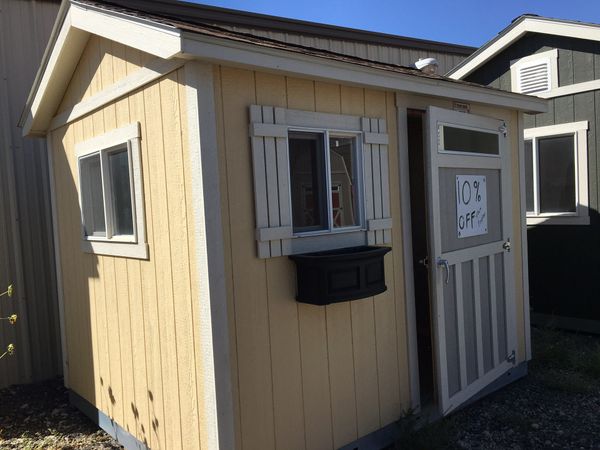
(556, 186)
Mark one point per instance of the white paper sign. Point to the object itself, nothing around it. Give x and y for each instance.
(471, 205)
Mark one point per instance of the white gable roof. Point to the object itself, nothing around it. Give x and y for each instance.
(516, 30)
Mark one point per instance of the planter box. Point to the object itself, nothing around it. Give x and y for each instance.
(340, 275)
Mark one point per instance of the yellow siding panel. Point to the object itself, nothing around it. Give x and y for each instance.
(103, 63)
(130, 323)
(224, 192)
(341, 362)
(180, 260)
(283, 330)
(249, 284)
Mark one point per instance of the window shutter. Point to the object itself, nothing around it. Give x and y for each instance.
(271, 181)
(376, 180)
(534, 77)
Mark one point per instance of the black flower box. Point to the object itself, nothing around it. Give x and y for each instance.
(340, 275)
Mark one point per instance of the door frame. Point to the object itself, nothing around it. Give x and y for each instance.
(404, 102)
(435, 161)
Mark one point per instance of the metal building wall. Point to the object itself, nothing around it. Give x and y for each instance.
(26, 243)
(386, 53)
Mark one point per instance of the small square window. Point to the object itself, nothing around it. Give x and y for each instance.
(322, 162)
(111, 194)
(556, 174)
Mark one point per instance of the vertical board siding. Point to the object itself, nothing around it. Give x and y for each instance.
(131, 324)
(304, 376)
(103, 63)
(26, 245)
(573, 247)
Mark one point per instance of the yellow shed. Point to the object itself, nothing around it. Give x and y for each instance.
(265, 245)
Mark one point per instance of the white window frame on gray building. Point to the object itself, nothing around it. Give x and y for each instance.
(581, 215)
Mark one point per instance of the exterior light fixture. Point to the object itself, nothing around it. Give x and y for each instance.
(427, 65)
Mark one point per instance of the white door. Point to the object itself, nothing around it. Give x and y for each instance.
(471, 266)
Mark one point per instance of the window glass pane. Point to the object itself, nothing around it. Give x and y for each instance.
(470, 141)
(308, 182)
(92, 197)
(529, 176)
(557, 174)
(344, 194)
(121, 192)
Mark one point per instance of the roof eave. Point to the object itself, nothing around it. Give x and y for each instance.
(247, 55)
(77, 21)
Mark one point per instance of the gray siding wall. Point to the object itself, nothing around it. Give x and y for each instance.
(26, 242)
(564, 261)
(389, 54)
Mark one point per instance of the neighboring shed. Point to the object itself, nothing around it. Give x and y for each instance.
(190, 161)
(558, 60)
(26, 247)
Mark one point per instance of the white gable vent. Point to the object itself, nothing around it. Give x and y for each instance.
(534, 77)
(535, 73)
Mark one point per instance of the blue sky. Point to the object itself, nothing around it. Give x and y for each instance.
(469, 22)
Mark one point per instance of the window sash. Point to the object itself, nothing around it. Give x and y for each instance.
(357, 174)
(107, 193)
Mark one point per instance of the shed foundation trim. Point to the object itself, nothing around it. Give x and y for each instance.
(123, 437)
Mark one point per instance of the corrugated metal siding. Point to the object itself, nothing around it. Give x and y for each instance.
(26, 244)
(382, 53)
(563, 260)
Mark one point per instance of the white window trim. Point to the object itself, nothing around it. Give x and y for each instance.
(330, 238)
(358, 151)
(579, 132)
(134, 246)
(550, 56)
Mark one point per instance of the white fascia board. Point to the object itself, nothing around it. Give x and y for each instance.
(251, 56)
(527, 25)
(53, 77)
(151, 37)
(75, 23)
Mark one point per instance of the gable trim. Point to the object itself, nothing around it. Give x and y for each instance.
(515, 31)
(155, 69)
(74, 25)
(571, 89)
(151, 37)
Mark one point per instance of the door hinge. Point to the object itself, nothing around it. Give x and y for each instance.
(506, 245)
(512, 357)
(502, 129)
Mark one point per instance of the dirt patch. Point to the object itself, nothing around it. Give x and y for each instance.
(39, 416)
(557, 405)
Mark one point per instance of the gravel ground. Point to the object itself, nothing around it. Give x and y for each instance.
(39, 417)
(556, 406)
